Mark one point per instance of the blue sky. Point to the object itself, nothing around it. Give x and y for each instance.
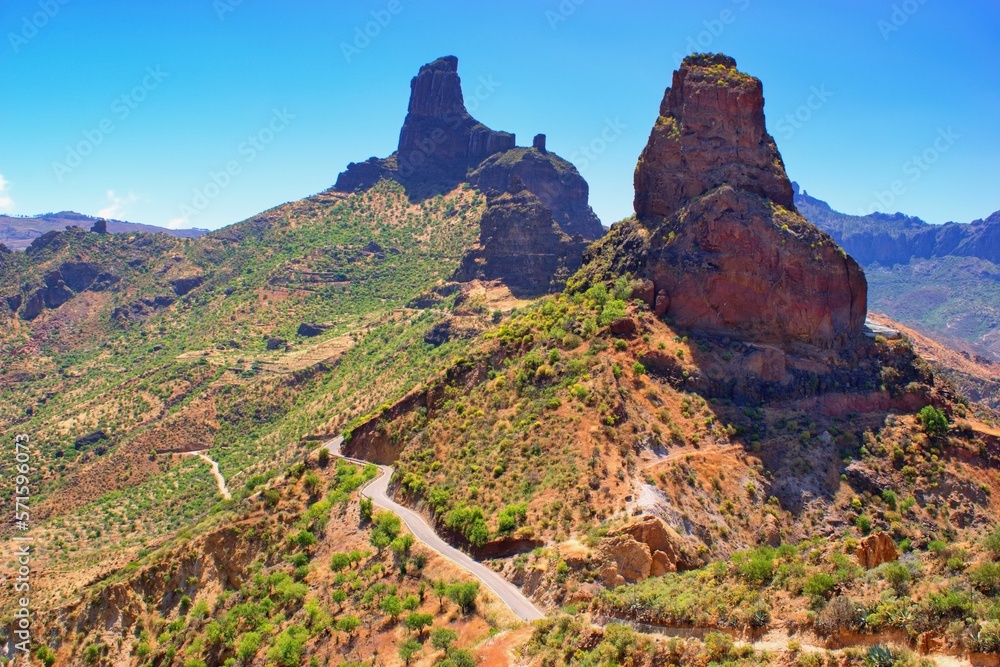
(204, 112)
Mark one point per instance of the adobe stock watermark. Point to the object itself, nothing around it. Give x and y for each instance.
(588, 154)
(121, 108)
(248, 151)
(34, 23)
(790, 123)
(913, 169)
(365, 34)
(20, 626)
(901, 13)
(416, 158)
(562, 12)
(223, 7)
(703, 40)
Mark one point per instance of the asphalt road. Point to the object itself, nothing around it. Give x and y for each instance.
(378, 489)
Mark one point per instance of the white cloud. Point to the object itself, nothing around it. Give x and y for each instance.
(117, 204)
(6, 203)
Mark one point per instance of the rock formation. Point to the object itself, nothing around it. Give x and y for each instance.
(876, 549)
(716, 230)
(552, 179)
(646, 548)
(442, 145)
(710, 132)
(521, 245)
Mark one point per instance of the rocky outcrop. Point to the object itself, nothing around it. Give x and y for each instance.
(710, 132)
(184, 285)
(439, 141)
(521, 245)
(33, 306)
(716, 231)
(439, 137)
(640, 550)
(79, 276)
(308, 330)
(875, 550)
(55, 292)
(140, 309)
(552, 179)
(442, 145)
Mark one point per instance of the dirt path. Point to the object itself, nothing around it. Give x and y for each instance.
(377, 491)
(219, 479)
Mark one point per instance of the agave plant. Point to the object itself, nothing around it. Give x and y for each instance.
(880, 656)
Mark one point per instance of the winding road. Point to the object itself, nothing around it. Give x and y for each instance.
(378, 491)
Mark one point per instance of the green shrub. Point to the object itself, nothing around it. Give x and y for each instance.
(934, 421)
(464, 595)
(819, 585)
(348, 623)
(304, 539)
(288, 646)
(247, 646)
(48, 656)
(986, 578)
(755, 567)
(992, 543)
(443, 638)
(340, 561)
(417, 622)
(408, 649)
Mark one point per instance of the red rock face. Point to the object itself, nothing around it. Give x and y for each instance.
(710, 132)
(717, 231)
(737, 265)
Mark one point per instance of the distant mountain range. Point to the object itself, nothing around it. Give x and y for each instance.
(943, 280)
(17, 233)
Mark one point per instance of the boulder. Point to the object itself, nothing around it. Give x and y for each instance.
(876, 549)
(14, 302)
(275, 343)
(646, 292)
(662, 303)
(624, 326)
(626, 560)
(100, 226)
(645, 548)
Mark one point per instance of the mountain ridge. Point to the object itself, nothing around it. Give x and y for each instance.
(17, 232)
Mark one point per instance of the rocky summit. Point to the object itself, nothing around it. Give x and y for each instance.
(716, 229)
(441, 146)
